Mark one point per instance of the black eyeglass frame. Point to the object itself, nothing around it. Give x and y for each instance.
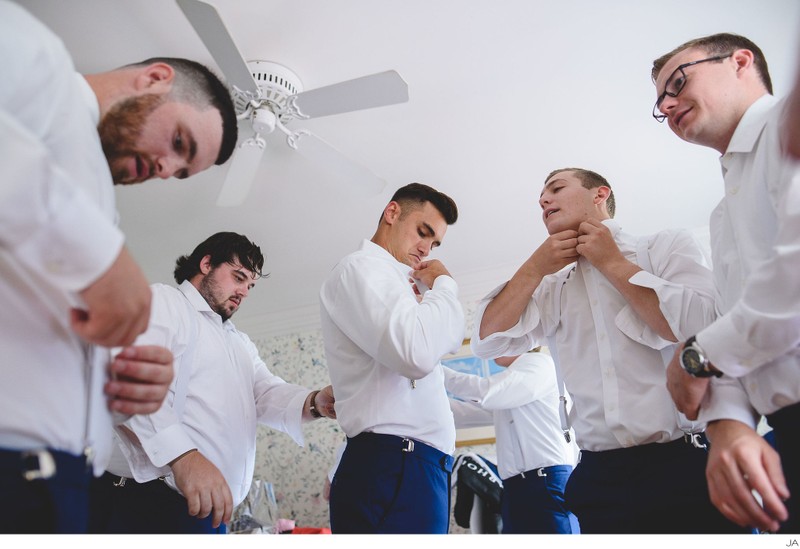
(657, 114)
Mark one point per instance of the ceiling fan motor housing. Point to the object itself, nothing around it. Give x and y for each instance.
(276, 84)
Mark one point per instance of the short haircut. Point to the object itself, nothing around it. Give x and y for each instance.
(196, 85)
(718, 44)
(223, 247)
(415, 195)
(590, 180)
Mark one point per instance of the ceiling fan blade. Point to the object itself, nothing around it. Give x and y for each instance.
(353, 175)
(209, 26)
(376, 90)
(241, 174)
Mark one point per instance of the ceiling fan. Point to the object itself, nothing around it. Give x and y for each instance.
(268, 95)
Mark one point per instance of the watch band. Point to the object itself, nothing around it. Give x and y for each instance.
(312, 407)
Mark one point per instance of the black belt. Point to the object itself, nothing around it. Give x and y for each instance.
(43, 463)
(404, 444)
(633, 455)
(540, 471)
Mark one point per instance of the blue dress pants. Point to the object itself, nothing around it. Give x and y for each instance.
(533, 502)
(648, 489)
(57, 504)
(146, 508)
(785, 425)
(390, 485)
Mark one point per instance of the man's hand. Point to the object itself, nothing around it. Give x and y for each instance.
(140, 379)
(739, 460)
(555, 253)
(686, 390)
(204, 487)
(118, 305)
(325, 402)
(428, 271)
(596, 244)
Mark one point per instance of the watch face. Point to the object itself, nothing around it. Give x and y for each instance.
(691, 361)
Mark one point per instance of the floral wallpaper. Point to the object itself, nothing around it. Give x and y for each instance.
(298, 473)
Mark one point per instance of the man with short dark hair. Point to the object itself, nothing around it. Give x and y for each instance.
(608, 304)
(183, 468)
(385, 334)
(716, 91)
(67, 279)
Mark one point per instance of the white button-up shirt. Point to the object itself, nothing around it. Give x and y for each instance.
(378, 338)
(230, 390)
(755, 242)
(58, 234)
(522, 402)
(611, 361)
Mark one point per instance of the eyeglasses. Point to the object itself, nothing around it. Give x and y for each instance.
(676, 83)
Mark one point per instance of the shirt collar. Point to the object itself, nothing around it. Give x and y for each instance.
(749, 128)
(199, 303)
(613, 226)
(89, 97)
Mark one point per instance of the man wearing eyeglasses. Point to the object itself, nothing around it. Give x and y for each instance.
(716, 91)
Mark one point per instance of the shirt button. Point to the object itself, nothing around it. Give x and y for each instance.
(733, 190)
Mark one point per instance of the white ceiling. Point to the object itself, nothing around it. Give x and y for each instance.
(501, 92)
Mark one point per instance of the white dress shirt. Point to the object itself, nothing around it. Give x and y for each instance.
(755, 241)
(229, 391)
(378, 338)
(58, 234)
(611, 361)
(523, 403)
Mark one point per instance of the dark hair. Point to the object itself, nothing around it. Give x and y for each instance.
(222, 247)
(196, 85)
(590, 180)
(414, 195)
(717, 44)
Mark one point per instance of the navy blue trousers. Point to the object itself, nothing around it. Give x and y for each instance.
(785, 425)
(649, 489)
(56, 505)
(533, 503)
(381, 489)
(146, 508)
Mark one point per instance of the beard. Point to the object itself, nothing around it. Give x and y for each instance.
(213, 294)
(120, 130)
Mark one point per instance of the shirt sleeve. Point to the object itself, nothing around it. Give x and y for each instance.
(373, 307)
(764, 323)
(504, 390)
(49, 224)
(278, 404)
(526, 334)
(684, 286)
(467, 415)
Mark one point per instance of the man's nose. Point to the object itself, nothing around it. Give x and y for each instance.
(168, 166)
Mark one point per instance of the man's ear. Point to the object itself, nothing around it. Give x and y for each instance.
(155, 78)
(205, 265)
(743, 59)
(601, 194)
(391, 212)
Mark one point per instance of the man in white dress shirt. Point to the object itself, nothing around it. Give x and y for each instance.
(183, 468)
(716, 91)
(533, 457)
(383, 349)
(608, 304)
(67, 279)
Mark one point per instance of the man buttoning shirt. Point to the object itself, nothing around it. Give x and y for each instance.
(533, 457)
(607, 304)
(67, 279)
(187, 465)
(716, 91)
(383, 347)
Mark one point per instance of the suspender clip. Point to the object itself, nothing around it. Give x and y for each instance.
(44, 468)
